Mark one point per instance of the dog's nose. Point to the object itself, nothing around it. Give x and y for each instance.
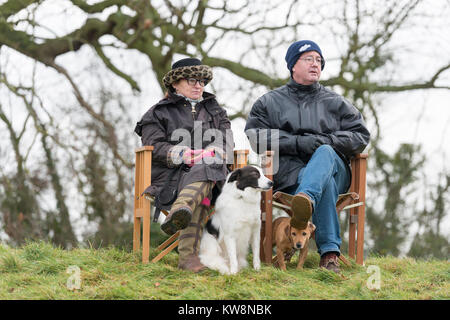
(298, 245)
(270, 183)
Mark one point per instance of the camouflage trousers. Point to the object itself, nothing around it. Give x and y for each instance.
(191, 197)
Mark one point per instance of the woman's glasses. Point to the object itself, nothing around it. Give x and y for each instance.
(192, 82)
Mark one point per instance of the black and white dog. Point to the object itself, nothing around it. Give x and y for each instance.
(236, 222)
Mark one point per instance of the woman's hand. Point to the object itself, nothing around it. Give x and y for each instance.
(190, 157)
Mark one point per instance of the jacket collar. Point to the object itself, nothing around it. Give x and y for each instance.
(301, 88)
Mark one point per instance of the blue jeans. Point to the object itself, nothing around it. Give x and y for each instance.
(323, 179)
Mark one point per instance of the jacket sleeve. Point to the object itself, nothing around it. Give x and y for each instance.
(353, 136)
(223, 147)
(263, 137)
(152, 130)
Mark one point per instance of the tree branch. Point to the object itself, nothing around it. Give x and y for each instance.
(12, 7)
(113, 68)
(99, 6)
(112, 141)
(244, 72)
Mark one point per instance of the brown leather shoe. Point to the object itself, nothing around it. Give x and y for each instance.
(191, 263)
(329, 261)
(302, 210)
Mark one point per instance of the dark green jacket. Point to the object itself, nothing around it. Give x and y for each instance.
(175, 112)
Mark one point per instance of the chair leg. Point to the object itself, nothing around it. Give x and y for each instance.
(141, 205)
(166, 251)
(352, 235)
(360, 167)
(344, 260)
(360, 240)
(268, 247)
(266, 227)
(266, 209)
(146, 235)
(163, 245)
(262, 234)
(137, 234)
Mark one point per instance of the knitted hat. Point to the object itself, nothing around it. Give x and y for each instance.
(298, 48)
(187, 68)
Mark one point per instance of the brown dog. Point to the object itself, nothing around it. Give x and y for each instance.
(289, 239)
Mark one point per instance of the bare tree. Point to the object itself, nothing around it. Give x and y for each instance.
(245, 42)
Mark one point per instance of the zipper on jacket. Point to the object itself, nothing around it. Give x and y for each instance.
(193, 111)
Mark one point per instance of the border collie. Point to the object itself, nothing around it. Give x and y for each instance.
(236, 223)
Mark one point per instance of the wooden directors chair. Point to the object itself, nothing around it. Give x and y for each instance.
(354, 200)
(142, 204)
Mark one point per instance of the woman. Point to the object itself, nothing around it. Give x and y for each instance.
(191, 136)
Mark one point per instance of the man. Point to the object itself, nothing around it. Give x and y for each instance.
(319, 131)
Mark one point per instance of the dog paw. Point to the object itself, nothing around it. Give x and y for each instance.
(224, 271)
(233, 270)
(243, 264)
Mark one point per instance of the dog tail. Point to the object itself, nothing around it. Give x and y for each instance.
(211, 229)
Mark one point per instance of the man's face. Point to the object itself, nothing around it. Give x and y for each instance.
(307, 70)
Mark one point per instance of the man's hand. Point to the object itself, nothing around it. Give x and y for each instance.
(309, 143)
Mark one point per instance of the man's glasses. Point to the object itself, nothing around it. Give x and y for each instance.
(192, 82)
(310, 60)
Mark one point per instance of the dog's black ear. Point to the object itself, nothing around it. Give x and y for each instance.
(287, 230)
(234, 175)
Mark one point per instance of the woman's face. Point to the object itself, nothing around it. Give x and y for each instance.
(191, 91)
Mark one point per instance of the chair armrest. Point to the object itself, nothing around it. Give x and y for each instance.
(144, 148)
(362, 156)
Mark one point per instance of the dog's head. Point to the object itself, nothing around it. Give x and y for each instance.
(299, 238)
(250, 176)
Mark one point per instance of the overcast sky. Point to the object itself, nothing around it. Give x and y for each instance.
(420, 117)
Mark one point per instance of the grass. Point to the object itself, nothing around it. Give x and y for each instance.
(38, 270)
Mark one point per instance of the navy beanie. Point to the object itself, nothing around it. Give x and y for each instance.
(298, 48)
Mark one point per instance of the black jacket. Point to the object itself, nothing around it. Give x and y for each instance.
(175, 112)
(304, 114)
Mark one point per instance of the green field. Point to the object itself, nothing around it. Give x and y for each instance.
(41, 271)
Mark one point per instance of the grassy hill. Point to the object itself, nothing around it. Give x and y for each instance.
(41, 271)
